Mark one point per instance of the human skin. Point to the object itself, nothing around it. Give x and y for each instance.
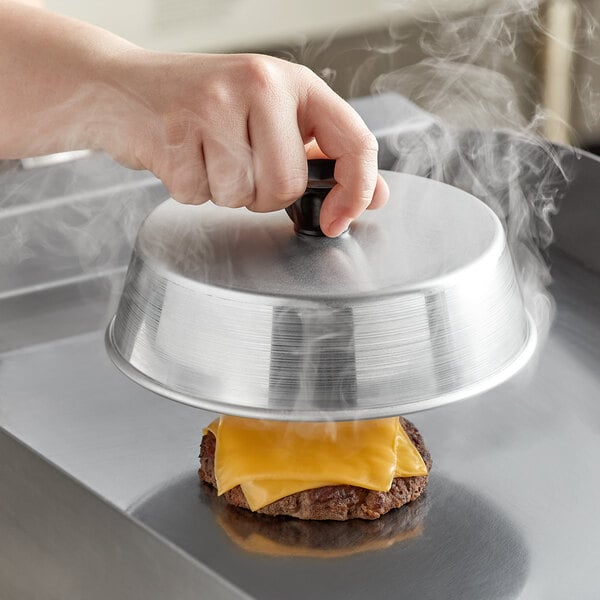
(234, 129)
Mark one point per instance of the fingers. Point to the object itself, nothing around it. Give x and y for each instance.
(188, 183)
(381, 194)
(229, 168)
(174, 153)
(382, 191)
(342, 135)
(279, 157)
(242, 131)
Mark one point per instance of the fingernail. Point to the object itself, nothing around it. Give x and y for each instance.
(339, 226)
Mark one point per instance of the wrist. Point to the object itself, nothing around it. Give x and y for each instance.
(133, 101)
(107, 103)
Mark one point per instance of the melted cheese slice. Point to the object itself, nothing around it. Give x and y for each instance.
(272, 459)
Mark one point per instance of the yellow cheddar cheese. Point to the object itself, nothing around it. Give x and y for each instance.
(273, 459)
(409, 463)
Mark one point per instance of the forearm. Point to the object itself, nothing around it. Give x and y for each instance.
(56, 81)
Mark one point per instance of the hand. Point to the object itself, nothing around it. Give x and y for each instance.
(237, 130)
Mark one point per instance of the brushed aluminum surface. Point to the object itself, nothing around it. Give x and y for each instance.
(416, 306)
(61, 541)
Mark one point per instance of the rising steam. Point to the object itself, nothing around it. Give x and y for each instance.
(483, 135)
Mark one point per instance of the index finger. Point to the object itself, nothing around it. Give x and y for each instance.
(343, 136)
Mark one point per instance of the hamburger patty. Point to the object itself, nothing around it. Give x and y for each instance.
(332, 502)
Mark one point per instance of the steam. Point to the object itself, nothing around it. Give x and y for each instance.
(483, 135)
(70, 223)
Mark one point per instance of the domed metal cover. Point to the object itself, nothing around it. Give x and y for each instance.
(415, 306)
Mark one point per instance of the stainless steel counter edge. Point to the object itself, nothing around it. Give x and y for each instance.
(78, 546)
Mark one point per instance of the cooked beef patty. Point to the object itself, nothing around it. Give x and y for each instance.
(334, 502)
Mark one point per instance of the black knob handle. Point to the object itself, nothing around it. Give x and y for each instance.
(306, 211)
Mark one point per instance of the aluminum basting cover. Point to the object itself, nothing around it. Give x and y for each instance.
(416, 305)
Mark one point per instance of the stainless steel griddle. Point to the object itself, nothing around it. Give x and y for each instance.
(98, 492)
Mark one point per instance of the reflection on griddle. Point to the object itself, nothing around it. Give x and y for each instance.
(469, 549)
(287, 536)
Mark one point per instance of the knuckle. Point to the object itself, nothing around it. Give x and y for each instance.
(368, 142)
(229, 200)
(220, 95)
(255, 206)
(283, 190)
(188, 191)
(245, 197)
(364, 201)
(291, 188)
(261, 72)
(184, 197)
(235, 191)
(307, 74)
(177, 191)
(365, 196)
(221, 200)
